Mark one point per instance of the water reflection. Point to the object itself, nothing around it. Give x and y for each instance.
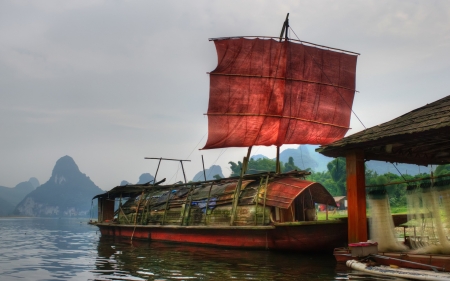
(61, 249)
(164, 261)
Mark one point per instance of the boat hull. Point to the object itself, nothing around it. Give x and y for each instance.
(300, 237)
(406, 260)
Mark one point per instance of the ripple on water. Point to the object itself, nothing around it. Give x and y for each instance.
(65, 249)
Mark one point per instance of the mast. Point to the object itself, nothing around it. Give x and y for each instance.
(284, 29)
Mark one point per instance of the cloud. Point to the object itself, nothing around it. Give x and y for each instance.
(109, 82)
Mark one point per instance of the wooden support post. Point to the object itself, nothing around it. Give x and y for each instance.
(207, 202)
(166, 207)
(277, 165)
(356, 196)
(120, 207)
(237, 191)
(257, 200)
(265, 196)
(187, 206)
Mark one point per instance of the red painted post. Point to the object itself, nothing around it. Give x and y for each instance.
(356, 196)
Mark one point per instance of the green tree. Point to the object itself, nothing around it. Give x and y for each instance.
(290, 165)
(325, 179)
(235, 168)
(339, 174)
(442, 170)
(262, 165)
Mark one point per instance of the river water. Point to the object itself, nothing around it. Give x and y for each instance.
(70, 249)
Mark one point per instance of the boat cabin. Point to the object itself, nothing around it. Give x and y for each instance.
(264, 199)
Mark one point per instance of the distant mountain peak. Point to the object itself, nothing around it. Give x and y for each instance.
(34, 182)
(210, 173)
(65, 165)
(145, 178)
(68, 192)
(258, 156)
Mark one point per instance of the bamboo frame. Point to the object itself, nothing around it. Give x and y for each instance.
(265, 196)
(237, 191)
(276, 116)
(282, 78)
(257, 200)
(186, 205)
(207, 202)
(292, 40)
(165, 208)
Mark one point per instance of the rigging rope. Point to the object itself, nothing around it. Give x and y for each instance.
(176, 173)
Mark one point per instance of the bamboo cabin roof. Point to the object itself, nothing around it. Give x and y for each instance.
(421, 137)
(282, 191)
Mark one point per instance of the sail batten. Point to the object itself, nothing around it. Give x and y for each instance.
(276, 116)
(283, 78)
(265, 92)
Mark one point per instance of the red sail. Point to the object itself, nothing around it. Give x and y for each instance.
(265, 92)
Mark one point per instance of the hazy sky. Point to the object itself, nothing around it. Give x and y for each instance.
(111, 82)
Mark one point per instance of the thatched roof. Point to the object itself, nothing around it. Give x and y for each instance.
(282, 190)
(421, 136)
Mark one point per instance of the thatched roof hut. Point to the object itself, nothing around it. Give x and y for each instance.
(421, 137)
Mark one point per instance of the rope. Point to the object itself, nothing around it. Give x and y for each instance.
(176, 173)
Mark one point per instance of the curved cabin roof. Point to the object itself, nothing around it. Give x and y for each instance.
(421, 137)
(282, 191)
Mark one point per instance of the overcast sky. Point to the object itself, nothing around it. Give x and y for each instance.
(111, 82)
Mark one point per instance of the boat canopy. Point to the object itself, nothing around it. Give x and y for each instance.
(281, 192)
(266, 92)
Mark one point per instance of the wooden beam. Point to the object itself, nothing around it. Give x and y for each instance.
(356, 196)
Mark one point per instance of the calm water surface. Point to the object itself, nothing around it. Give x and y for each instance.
(69, 249)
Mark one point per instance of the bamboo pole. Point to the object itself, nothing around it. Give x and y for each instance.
(257, 200)
(144, 210)
(120, 205)
(125, 216)
(265, 196)
(277, 116)
(186, 205)
(165, 208)
(207, 201)
(278, 170)
(135, 217)
(203, 164)
(237, 192)
(290, 39)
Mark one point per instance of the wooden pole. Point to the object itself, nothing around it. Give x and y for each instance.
(186, 206)
(207, 202)
(248, 159)
(265, 196)
(356, 196)
(257, 200)
(184, 174)
(157, 169)
(285, 26)
(203, 163)
(278, 170)
(237, 192)
(120, 206)
(166, 207)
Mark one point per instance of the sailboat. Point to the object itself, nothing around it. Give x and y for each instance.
(265, 91)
